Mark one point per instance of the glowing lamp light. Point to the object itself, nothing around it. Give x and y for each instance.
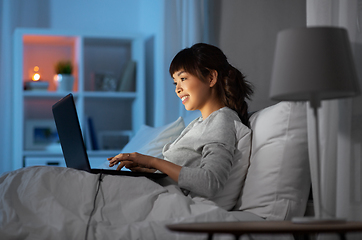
(36, 75)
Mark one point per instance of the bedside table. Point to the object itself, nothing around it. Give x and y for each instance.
(266, 227)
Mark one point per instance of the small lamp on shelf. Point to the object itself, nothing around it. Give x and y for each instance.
(36, 84)
(314, 64)
(36, 75)
(63, 77)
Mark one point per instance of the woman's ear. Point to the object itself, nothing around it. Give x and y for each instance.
(213, 78)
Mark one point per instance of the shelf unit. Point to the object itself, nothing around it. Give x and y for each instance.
(117, 112)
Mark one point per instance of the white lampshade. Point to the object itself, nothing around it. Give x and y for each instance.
(313, 63)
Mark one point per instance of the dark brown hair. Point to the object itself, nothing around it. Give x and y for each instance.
(231, 86)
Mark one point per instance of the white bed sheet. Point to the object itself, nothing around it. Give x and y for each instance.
(55, 203)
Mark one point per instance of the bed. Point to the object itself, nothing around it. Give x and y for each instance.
(61, 203)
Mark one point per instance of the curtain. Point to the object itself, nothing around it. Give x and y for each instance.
(339, 122)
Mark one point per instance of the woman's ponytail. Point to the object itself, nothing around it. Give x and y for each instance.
(236, 91)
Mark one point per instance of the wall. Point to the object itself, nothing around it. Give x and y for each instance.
(109, 15)
(247, 33)
(13, 13)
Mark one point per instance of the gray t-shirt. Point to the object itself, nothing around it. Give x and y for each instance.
(206, 150)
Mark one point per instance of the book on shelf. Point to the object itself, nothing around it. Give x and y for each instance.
(92, 135)
(128, 78)
(36, 85)
(87, 135)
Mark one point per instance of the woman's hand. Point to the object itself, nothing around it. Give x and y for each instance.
(136, 162)
(143, 163)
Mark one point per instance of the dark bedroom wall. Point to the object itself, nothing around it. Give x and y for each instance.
(247, 31)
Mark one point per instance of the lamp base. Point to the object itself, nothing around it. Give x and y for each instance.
(311, 220)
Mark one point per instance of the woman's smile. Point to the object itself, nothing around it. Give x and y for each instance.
(184, 99)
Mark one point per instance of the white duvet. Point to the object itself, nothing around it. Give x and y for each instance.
(55, 203)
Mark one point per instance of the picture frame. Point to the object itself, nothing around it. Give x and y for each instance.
(41, 134)
(105, 81)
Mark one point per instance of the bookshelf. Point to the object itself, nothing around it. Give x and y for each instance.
(115, 115)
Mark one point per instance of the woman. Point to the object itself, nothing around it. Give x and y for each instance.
(201, 159)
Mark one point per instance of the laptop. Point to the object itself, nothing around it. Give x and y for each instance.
(72, 143)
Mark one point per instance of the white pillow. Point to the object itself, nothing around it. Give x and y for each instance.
(278, 179)
(150, 141)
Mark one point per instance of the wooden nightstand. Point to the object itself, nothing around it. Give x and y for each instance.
(266, 227)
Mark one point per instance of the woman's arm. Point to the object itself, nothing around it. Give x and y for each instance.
(144, 163)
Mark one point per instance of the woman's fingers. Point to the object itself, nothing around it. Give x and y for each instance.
(133, 161)
(120, 165)
(118, 158)
(127, 164)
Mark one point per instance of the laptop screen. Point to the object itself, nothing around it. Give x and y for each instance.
(70, 134)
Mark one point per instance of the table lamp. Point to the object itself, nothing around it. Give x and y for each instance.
(313, 64)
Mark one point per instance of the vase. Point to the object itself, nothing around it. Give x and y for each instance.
(65, 82)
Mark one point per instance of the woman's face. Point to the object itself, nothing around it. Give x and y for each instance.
(194, 93)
